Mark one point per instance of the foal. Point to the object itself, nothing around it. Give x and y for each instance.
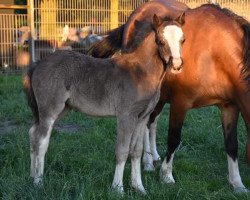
(127, 86)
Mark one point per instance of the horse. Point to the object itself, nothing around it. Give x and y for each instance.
(124, 33)
(215, 71)
(127, 86)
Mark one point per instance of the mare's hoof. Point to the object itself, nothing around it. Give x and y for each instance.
(149, 167)
(241, 190)
(168, 178)
(157, 163)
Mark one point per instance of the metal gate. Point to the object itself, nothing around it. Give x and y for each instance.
(69, 24)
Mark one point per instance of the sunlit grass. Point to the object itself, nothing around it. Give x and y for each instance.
(80, 165)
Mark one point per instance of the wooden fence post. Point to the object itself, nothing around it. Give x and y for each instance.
(114, 14)
(32, 30)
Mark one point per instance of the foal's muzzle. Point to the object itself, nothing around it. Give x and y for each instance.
(176, 66)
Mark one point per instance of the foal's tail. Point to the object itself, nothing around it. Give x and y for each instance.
(30, 93)
(109, 45)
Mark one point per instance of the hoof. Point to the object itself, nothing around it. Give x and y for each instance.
(157, 163)
(149, 167)
(240, 190)
(169, 179)
(38, 182)
(118, 190)
(141, 190)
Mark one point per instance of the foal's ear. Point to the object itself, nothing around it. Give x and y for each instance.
(181, 19)
(157, 21)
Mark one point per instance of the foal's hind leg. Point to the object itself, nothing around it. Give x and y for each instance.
(177, 116)
(39, 141)
(229, 117)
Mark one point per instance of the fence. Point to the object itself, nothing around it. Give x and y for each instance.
(69, 24)
(241, 7)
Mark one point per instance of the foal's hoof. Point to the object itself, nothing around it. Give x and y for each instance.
(118, 190)
(141, 190)
(241, 190)
(149, 167)
(38, 182)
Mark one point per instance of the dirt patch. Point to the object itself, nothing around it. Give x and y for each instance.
(71, 128)
(7, 126)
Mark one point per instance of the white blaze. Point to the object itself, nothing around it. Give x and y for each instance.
(173, 34)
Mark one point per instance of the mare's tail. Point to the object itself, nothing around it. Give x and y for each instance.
(246, 51)
(27, 83)
(246, 71)
(109, 45)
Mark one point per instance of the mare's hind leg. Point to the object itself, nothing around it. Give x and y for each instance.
(229, 117)
(39, 140)
(177, 116)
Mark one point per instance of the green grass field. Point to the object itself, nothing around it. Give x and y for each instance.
(80, 161)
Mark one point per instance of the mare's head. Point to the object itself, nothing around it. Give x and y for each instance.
(169, 38)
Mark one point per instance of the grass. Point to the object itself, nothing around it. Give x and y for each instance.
(81, 165)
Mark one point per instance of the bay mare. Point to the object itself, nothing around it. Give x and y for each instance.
(127, 87)
(216, 71)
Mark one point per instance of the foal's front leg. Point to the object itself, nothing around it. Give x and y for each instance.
(229, 118)
(126, 125)
(177, 116)
(136, 149)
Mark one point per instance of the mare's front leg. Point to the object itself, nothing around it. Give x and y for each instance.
(177, 116)
(150, 149)
(229, 118)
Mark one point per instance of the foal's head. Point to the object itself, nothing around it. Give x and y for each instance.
(169, 38)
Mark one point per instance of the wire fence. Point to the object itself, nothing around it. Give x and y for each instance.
(69, 24)
(240, 7)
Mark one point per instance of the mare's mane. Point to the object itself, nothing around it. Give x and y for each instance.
(245, 26)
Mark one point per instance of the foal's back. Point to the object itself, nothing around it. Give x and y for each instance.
(89, 84)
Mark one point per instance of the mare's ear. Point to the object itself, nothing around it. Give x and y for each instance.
(157, 21)
(181, 19)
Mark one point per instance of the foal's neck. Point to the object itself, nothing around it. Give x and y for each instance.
(146, 56)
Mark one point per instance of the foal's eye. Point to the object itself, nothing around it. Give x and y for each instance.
(183, 39)
(162, 42)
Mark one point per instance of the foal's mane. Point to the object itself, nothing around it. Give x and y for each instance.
(245, 26)
(142, 30)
